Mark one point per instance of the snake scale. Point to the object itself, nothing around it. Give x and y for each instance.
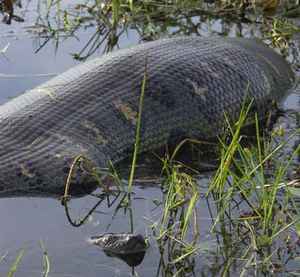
(91, 110)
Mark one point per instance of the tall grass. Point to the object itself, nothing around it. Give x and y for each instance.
(16, 264)
(243, 182)
(252, 213)
(138, 131)
(153, 19)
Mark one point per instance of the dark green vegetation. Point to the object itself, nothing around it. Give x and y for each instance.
(154, 19)
(253, 196)
(272, 20)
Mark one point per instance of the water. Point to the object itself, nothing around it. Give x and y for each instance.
(27, 221)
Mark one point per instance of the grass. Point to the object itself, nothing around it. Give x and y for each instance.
(176, 242)
(241, 182)
(138, 131)
(110, 20)
(250, 211)
(16, 264)
(46, 260)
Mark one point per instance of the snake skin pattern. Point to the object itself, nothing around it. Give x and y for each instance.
(92, 109)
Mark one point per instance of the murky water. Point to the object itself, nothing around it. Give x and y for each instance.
(27, 221)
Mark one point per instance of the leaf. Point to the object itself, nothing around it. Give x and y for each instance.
(295, 191)
(297, 226)
(4, 49)
(16, 263)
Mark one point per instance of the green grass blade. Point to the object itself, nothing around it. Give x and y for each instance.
(16, 264)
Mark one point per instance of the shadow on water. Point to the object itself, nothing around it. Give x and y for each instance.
(240, 226)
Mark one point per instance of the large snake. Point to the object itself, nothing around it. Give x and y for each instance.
(91, 110)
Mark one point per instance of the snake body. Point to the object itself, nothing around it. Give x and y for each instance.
(91, 110)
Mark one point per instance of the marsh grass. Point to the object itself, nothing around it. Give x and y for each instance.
(138, 130)
(45, 261)
(177, 232)
(280, 32)
(16, 263)
(254, 214)
(247, 197)
(109, 20)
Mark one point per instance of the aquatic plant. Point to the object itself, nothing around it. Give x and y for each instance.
(110, 20)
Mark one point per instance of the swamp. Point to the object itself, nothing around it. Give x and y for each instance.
(230, 207)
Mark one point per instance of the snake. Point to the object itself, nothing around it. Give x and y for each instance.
(92, 110)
